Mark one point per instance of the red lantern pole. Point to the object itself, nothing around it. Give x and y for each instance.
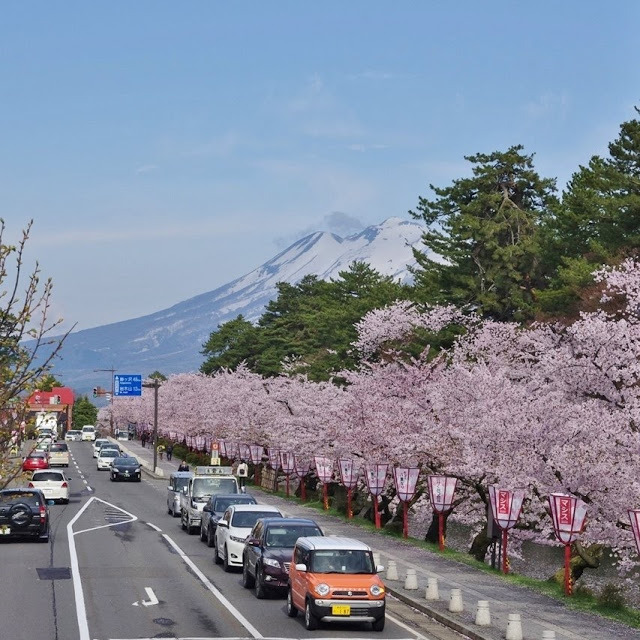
(505, 561)
(441, 531)
(303, 490)
(287, 486)
(405, 520)
(441, 494)
(325, 497)
(349, 511)
(568, 587)
(376, 513)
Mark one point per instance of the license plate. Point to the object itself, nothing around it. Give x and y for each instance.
(5, 530)
(126, 474)
(341, 610)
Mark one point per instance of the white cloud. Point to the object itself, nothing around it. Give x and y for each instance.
(147, 168)
(546, 104)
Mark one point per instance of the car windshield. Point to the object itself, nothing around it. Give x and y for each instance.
(222, 504)
(286, 536)
(37, 454)
(108, 453)
(178, 483)
(246, 519)
(341, 561)
(43, 476)
(207, 486)
(126, 462)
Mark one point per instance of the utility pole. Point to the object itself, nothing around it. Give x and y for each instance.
(155, 385)
(112, 371)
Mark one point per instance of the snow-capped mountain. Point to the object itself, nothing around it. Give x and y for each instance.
(171, 340)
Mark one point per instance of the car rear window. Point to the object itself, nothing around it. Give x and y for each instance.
(58, 446)
(286, 536)
(222, 504)
(249, 518)
(41, 476)
(109, 453)
(30, 497)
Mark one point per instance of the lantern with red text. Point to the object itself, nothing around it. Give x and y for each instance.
(244, 451)
(232, 451)
(441, 492)
(324, 470)
(256, 451)
(274, 458)
(405, 480)
(505, 509)
(286, 461)
(222, 448)
(376, 477)
(301, 469)
(634, 516)
(568, 514)
(349, 472)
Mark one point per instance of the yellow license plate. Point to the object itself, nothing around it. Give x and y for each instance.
(341, 610)
(5, 530)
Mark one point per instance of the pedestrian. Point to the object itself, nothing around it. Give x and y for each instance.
(143, 438)
(169, 451)
(183, 466)
(161, 449)
(242, 471)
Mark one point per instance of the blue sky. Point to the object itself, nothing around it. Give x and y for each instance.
(165, 148)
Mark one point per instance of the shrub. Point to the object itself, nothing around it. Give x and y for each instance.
(611, 596)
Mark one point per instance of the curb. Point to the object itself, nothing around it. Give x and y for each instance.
(443, 619)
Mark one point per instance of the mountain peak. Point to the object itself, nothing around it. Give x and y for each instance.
(171, 340)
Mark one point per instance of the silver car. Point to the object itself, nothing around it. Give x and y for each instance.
(177, 481)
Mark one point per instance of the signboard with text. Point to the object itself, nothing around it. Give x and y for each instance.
(127, 384)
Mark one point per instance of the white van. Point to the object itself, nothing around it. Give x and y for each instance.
(88, 432)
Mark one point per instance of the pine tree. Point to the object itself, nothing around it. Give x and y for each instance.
(482, 237)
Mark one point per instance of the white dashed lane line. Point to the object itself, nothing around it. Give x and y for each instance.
(81, 474)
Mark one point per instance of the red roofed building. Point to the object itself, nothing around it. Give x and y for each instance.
(59, 400)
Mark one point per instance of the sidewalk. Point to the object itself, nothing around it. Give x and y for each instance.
(538, 613)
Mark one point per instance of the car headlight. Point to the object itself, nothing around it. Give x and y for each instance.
(322, 589)
(376, 590)
(236, 539)
(116, 469)
(270, 562)
(137, 470)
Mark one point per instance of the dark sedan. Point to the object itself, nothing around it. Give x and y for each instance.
(24, 512)
(268, 550)
(125, 469)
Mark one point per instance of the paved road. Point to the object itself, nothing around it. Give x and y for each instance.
(137, 575)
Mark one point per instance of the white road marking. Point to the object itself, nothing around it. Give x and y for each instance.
(153, 526)
(152, 599)
(237, 615)
(81, 611)
(404, 626)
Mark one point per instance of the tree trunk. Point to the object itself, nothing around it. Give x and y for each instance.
(581, 558)
(480, 546)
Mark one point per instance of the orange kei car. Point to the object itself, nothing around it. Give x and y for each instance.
(335, 579)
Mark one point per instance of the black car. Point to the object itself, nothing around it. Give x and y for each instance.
(126, 468)
(214, 510)
(268, 550)
(24, 512)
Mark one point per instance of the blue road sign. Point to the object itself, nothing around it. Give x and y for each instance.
(127, 384)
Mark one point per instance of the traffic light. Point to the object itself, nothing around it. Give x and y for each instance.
(95, 392)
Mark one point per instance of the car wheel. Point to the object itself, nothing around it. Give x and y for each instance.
(216, 556)
(310, 621)
(65, 501)
(203, 535)
(261, 591)
(45, 537)
(292, 612)
(210, 539)
(225, 561)
(378, 625)
(247, 579)
(182, 522)
(170, 511)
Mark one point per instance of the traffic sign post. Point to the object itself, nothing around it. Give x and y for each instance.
(127, 384)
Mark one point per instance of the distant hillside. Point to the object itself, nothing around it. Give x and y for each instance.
(170, 341)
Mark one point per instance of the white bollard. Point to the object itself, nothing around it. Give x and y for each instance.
(455, 602)
(483, 616)
(432, 589)
(392, 570)
(411, 581)
(548, 635)
(514, 627)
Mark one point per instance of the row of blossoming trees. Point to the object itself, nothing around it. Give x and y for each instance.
(550, 408)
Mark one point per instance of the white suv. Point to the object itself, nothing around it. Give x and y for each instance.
(89, 432)
(233, 529)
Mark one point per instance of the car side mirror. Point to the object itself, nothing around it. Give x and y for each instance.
(184, 490)
(379, 568)
(254, 542)
(206, 508)
(169, 487)
(51, 502)
(224, 524)
(301, 567)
